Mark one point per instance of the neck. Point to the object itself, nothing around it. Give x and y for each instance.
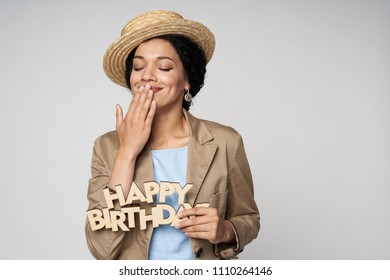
(169, 130)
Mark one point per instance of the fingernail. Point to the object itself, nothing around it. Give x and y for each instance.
(141, 88)
(177, 225)
(180, 215)
(147, 87)
(150, 93)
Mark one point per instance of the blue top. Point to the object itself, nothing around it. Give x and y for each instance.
(169, 243)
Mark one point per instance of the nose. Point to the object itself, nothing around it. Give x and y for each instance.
(149, 74)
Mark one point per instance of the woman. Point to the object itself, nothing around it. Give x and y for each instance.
(162, 59)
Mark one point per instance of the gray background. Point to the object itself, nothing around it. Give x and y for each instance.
(306, 83)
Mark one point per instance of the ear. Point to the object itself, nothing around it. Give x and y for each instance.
(187, 85)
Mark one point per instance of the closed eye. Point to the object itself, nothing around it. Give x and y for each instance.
(166, 69)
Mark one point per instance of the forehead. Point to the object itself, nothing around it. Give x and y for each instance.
(156, 48)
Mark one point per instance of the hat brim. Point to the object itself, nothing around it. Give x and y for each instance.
(114, 61)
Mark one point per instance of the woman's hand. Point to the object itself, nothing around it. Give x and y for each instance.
(204, 223)
(134, 129)
(133, 132)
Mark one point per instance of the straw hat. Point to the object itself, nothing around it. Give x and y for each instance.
(149, 25)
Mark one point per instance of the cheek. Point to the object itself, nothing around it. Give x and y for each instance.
(133, 79)
(175, 80)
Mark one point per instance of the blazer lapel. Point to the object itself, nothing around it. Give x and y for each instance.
(200, 155)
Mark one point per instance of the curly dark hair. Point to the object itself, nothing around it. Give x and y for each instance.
(192, 57)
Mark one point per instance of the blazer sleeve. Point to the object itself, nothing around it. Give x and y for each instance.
(103, 243)
(242, 211)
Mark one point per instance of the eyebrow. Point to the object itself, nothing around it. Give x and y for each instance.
(158, 58)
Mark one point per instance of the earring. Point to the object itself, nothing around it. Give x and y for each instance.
(188, 96)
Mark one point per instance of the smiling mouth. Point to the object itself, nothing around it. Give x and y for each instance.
(155, 89)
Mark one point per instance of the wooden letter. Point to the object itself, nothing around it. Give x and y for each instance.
(111, 197)
(204, 204)
(151, 188)
(130, 212)
(95, 219)
(182, 192)
(165, 189)
(143, 218)
(106, 217)
(135, 194)
(160, 220)
(118, 222)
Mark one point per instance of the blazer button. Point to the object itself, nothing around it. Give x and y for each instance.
(199, 253)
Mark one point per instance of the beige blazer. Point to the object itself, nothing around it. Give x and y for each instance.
(217, 167)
